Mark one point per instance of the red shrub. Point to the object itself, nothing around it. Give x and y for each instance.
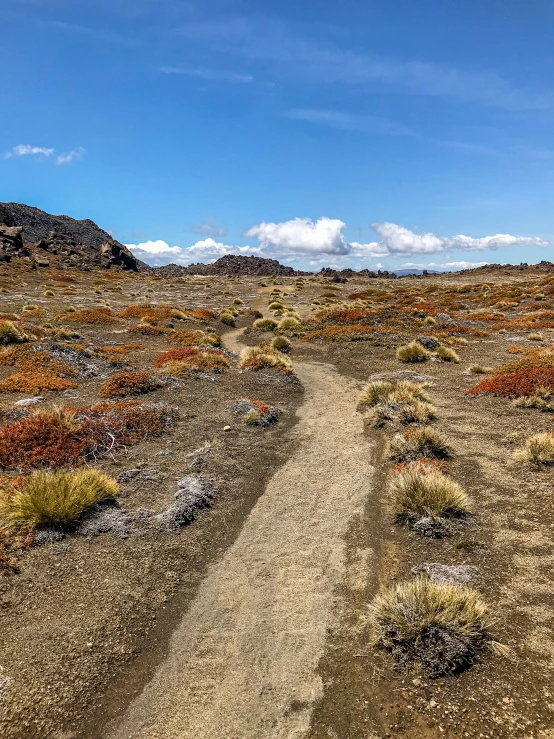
(127, 383)
(516, 384)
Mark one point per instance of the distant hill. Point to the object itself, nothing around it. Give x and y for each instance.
(230, 265)
(417, 272)
(60, 240)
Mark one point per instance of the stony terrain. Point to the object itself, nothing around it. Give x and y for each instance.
(226, 591)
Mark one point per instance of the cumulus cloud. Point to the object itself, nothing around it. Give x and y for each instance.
(301, 236)
(22, 150)
(71, 156)
(206, 250)
(400, 241)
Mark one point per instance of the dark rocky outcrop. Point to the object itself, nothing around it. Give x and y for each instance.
(232, 265)
(344, 274)
(60, 241)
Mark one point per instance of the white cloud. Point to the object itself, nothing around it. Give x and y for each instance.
(301, 235)
(443, 265)
(71, 156)
(22, 150)
(401, 241)
(206, 250)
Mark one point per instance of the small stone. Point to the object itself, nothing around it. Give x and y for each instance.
(226, 428)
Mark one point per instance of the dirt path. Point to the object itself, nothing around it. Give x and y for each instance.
(243, 663)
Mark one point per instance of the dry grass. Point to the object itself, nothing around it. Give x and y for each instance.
(436, 625)
(281, 344)
(265, 324)
(288, 323)
(433, 494)
(538, 449)
(446, 354)
(195, 338)
(10, 334)
(102, 316)
(412, 352)
(420, 442)
(54, 498)
(404, 401)
(535, 337)
(479, 369)
(383, 391)
(227, 318)
(257, 358)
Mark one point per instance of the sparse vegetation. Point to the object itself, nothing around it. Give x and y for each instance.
(54, 499)
(446, 354)
(257, 358)
(433, 494)
(10, 334)
(420, 442)
(265, 324)
(436, 625)
(412, 352)
(538, 449)
(128, 383)
(281, 344)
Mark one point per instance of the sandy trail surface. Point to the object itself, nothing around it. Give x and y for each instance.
(243, 662)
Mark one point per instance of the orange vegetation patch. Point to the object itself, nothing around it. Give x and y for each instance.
(28, 359)
(12, 547)
(53, 439)
(149, 313)
(177, 361)
(91, 315)
(345, 333)
(195, 338)
(524, 382)
(358, 296)
(8, 317)
(531, 358)
(202, 314)
(34, 383)
(344, 316)
(128, 383)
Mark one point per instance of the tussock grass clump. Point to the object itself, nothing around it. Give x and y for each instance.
(538, 449)
(412, 352)
(276, 305)
(446, 354)
(55, 498)
(128, 383)
(436, 625)
(256, 358)
(420, 442)
(10, 334)
(288, 323)
(265, 324)
(414, 495)
(281, 344)
(195, 338)
(404, 401)
(535, 337)
(479, 369)
(227, 318)
(147, 329)
(383, 391)
(255, 412)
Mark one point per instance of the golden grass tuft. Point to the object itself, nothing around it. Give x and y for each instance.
(538, 449)
(446, 354)
(433, 494)
(10, 334)
(479, 369)
(265, 324)
(281, 344)
(383, 391)
(257, 358)
(288, 323)
(438, 625)
(412, 352)
(227, 318)
(420, 442)
(54, 498)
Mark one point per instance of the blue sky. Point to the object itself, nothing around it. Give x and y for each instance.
(364, 134)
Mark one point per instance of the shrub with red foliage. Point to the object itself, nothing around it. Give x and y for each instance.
(182, 354)
(102, 316)
(83, 434)
(128, 383)
(524, 382)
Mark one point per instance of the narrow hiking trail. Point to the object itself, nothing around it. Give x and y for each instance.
(243, 662)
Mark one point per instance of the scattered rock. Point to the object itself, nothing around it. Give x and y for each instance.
(5, 683)
(104, 518)
(137, 475)
(432, 528)
(193, 494)
(428, 342)
(24, 402)
(256, 413)
(47, 536)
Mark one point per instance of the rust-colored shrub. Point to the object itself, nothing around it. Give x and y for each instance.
(179, 361)
(524, 382)
(34, 382)
(63, 439)
(128, 383)
(102, 316)
(202, 314)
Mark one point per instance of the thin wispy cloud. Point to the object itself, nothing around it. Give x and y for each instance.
(303, 58)
(350, 121)
(213, 75)
(22, 150)
(71, 156)
(208, 227)
(469, 148)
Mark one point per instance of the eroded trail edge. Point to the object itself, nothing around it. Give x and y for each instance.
(243, 663)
